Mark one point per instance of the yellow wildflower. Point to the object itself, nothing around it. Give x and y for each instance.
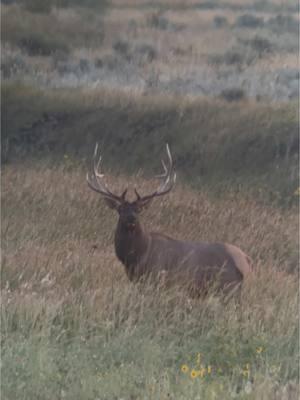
(184, 368)
(246, 373)
(194, 373)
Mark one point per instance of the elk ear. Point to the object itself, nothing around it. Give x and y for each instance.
(113, 204)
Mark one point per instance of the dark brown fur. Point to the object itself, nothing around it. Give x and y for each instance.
(192, 263)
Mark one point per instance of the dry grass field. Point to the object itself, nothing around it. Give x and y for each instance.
(221, 87)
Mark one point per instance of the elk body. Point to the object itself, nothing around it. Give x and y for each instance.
(144, 254)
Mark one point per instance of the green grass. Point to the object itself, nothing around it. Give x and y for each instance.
(122, 360)
(73, 327)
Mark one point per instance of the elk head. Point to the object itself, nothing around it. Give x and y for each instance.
(129, 211)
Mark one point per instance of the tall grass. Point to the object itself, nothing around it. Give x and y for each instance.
(73, 327)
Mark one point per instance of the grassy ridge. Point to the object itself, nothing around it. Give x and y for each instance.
(245, 142)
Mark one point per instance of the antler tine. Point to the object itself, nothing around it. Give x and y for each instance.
(165, 171)
(168, 176)
(96, 168)
(163, 163)
(96, 184)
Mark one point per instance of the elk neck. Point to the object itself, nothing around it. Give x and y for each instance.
(131, 245)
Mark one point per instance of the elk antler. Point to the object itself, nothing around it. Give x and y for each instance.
(95, 181)
(168, 177)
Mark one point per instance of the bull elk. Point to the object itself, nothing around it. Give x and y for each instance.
(143, 254)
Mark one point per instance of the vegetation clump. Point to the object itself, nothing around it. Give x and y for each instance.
(220, 21)
(249, 21)
(233, 94)
(283, 23)
(38, 44)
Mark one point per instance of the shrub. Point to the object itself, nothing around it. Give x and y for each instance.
(233, 94)
(42, 44)
(283, 23)
(84, 65)
(141, 53)
(108, 61)
(156, 20)
(122, 47)
(259, 44)
(249, 21)
(220, 22)
(146, 52)
(230, 57)
(245, 53)
(99, 62)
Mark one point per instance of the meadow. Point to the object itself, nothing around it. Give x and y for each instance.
(72, 325)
